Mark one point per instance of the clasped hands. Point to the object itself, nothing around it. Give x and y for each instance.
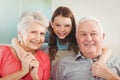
(28, 60)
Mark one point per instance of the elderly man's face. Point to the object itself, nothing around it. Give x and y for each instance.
(90, 39)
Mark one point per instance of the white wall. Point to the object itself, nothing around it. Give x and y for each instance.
(107, 11)
(9, 11)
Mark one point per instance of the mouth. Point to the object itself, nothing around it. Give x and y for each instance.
(36, 43)
(89, 44)
(61, 34)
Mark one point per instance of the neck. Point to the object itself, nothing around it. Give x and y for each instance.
(92, 55)
(27, 50)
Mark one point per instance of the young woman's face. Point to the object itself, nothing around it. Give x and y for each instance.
(33, 36)
(62, 26)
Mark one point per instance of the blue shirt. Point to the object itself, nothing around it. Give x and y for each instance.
(60, 46)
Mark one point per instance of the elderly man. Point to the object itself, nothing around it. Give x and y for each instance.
(90, 37)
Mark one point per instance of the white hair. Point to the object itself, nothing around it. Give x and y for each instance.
(29, 17)
(90, 18)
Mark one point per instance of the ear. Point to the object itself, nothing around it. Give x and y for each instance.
(19, 36)
(76, 37)
(103, 37)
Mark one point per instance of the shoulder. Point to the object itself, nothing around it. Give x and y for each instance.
(43, 58)
(5, 51)
(42, 55)
(4, 48)
(114, 60)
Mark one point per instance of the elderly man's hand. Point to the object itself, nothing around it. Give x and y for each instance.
(100, 69)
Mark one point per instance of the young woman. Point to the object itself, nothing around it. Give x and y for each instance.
(33, 64)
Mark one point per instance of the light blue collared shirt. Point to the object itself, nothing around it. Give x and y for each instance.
(78, 68)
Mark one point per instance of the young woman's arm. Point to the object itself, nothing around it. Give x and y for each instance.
(106, 54)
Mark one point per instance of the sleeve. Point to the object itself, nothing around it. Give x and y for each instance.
(0, 61)
(117, 65)
(2, 52)
(114, 64)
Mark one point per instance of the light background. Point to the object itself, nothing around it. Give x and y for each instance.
(107, 11)
(10, 10)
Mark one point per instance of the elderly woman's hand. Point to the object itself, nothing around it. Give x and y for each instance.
(26, 60)
(21, 53)
(34, 71)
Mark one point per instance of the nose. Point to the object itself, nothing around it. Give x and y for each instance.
(62, 28)
(88, 37)
(38, 36)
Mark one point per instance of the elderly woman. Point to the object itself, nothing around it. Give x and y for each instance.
(33, 64)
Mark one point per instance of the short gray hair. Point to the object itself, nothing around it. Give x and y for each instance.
(90, 18)
(28, 17)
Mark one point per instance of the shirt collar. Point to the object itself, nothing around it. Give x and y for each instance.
(79, 56)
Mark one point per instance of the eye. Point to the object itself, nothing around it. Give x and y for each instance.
(42, 34)
(82, 34)
(57, 25)
(94, 34)
(33, 32)
(68, 25)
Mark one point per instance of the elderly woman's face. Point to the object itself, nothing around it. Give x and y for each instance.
(33, 36)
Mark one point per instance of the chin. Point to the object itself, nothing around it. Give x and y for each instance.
(90, 52)
(35, 48)
(61, 37)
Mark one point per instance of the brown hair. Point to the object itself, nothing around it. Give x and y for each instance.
(71, 39)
